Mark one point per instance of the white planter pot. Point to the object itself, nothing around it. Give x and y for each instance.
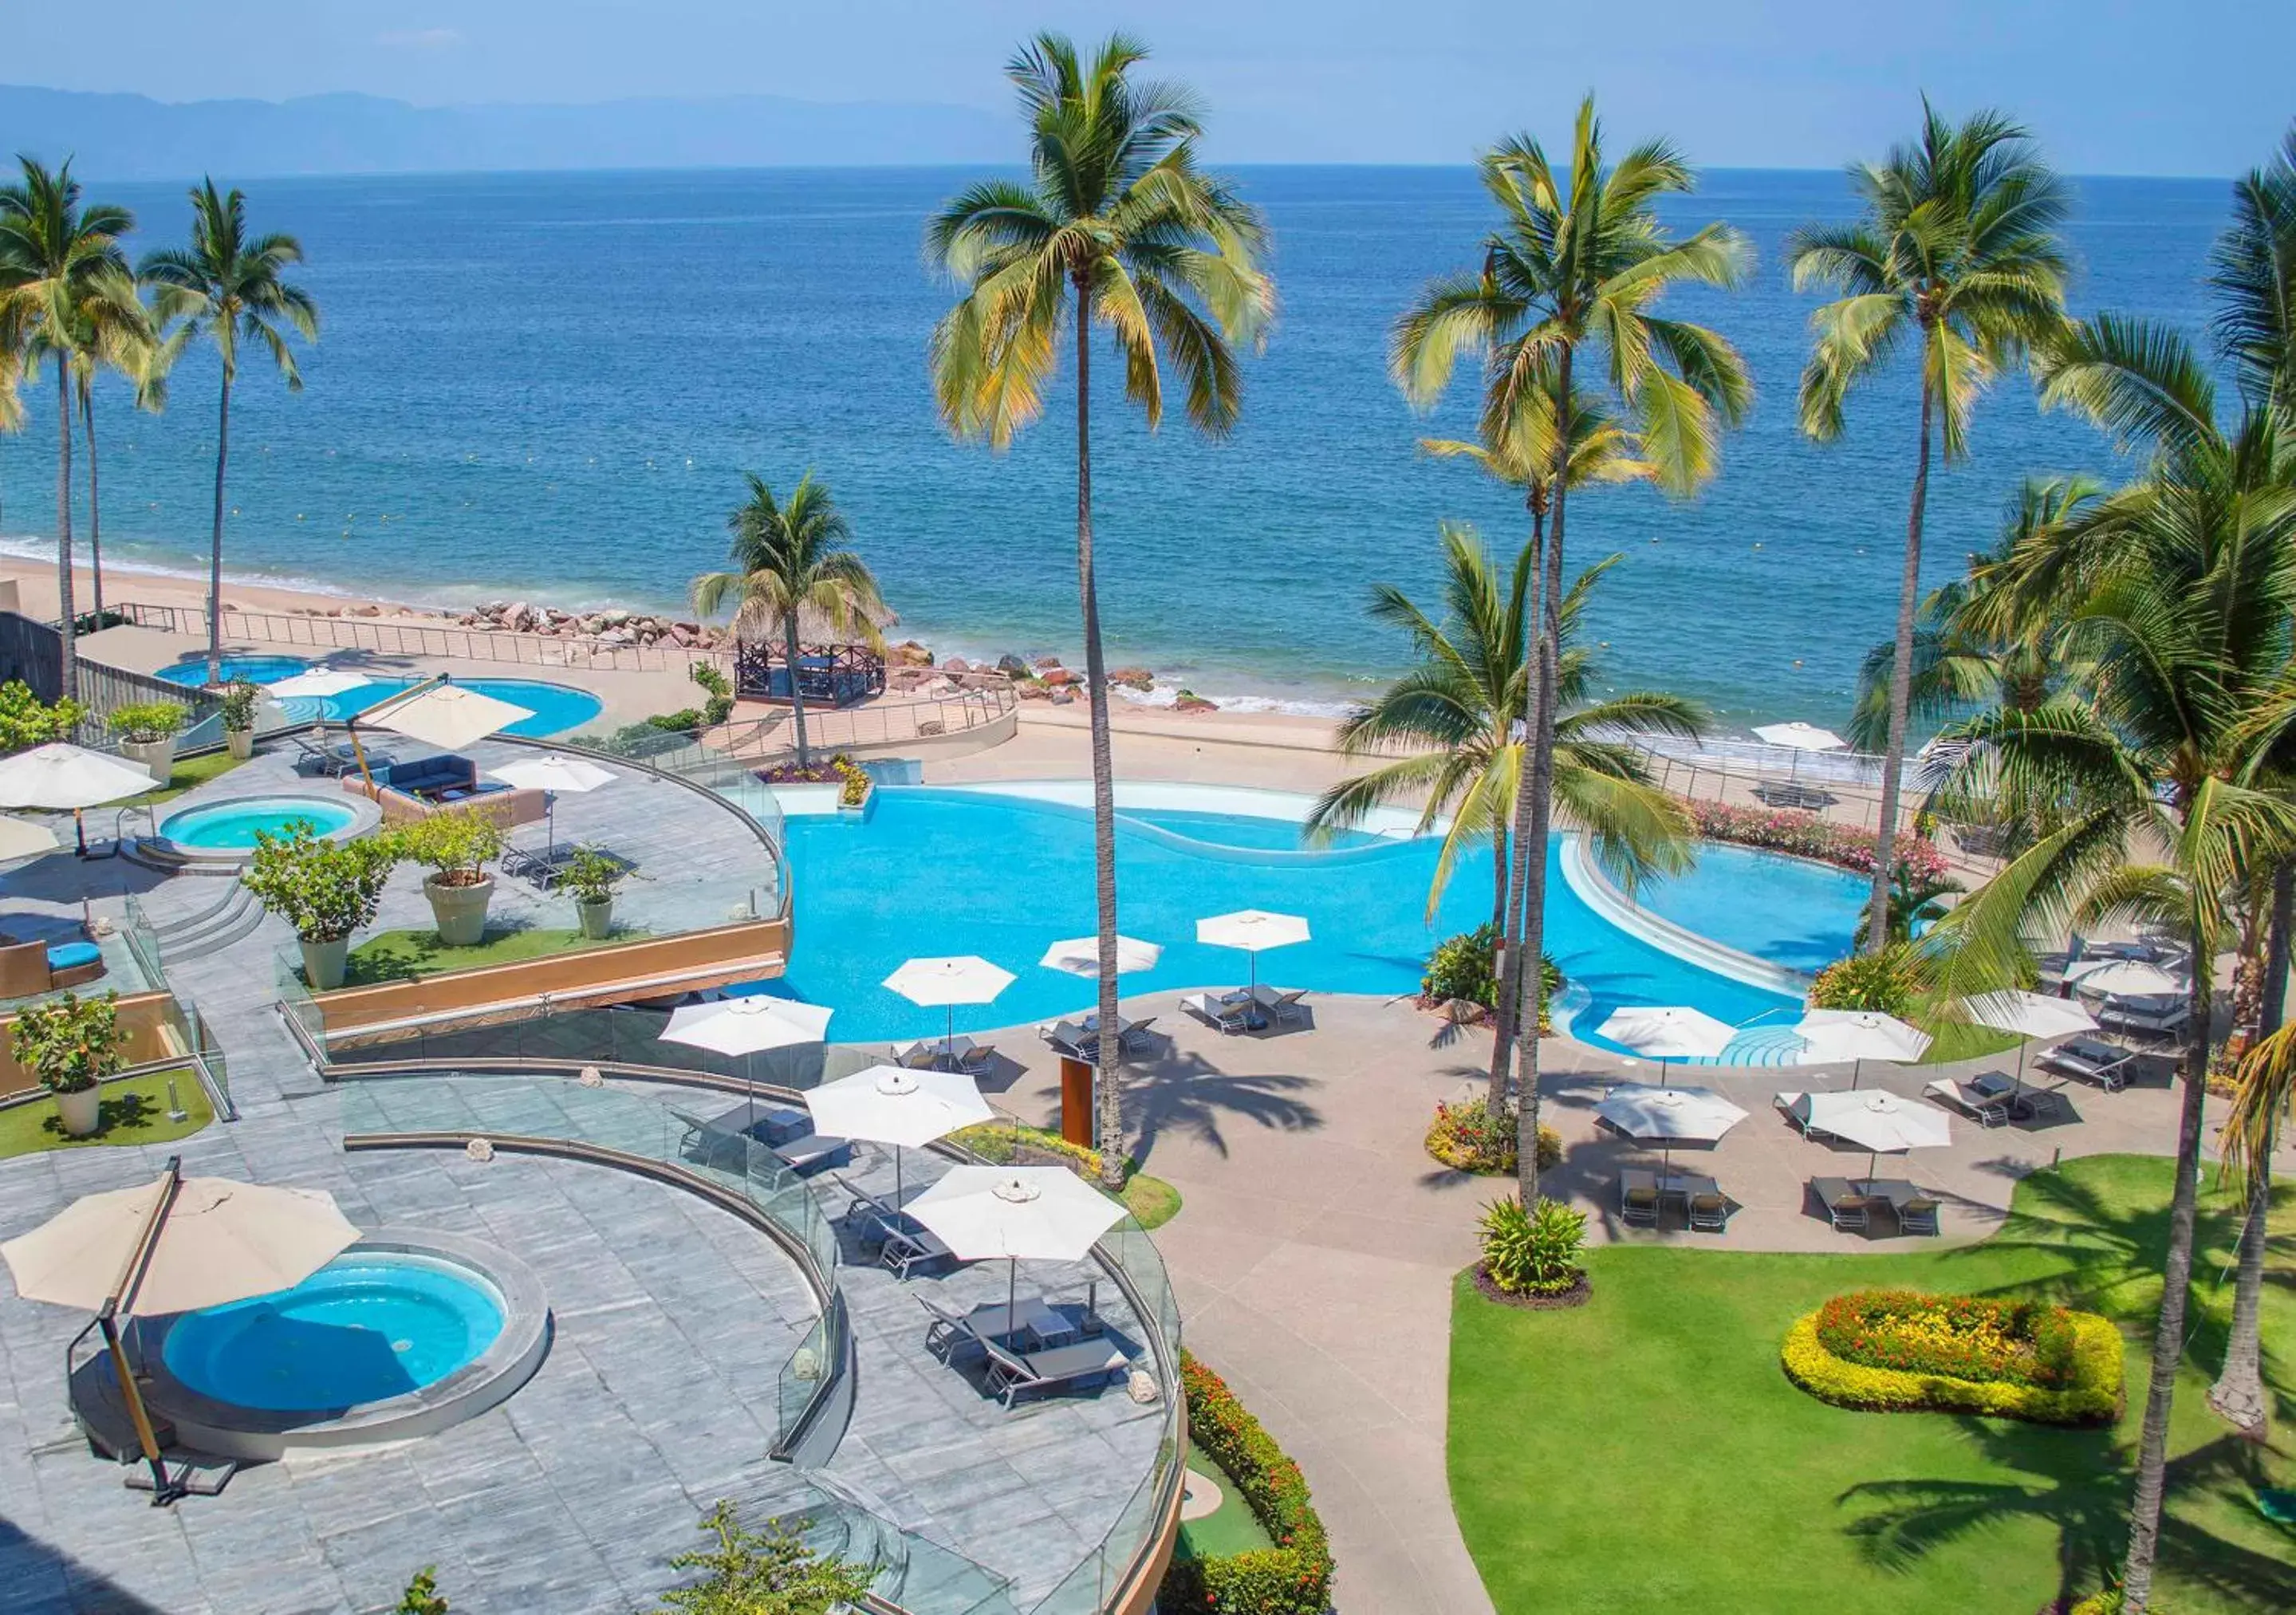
(597, 919)
(158, 755)
(461, 911)
(79, 1112)
(241, 743)
(324, 963)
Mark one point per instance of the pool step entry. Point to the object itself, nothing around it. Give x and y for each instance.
(157, 853)
(220, 925)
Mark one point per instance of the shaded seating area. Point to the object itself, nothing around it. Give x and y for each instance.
(1985, 1107)
(2091, 1060)
(422, 786)
(1850, 1204)
(1644, 1197)
(902, 1243)
(724, 1140)
(30, 966)
(957, 1053)
(832, 674)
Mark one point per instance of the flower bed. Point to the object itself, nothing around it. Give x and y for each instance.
(1294, 1577)
(1900, 1350)
(1805, 835)
(1465, 1138)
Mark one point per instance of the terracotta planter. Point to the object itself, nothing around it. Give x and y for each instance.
(80, 1112)
(158, 756)
(241, 743)
(461, 911)
(597, 919)
(324, 963)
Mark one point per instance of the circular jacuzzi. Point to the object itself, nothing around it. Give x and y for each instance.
(403, 1335)
(223, 831)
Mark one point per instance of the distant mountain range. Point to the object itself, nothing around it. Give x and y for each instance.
(137, 137)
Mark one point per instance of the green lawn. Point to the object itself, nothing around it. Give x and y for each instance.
(1645, 1452)
(133, 1111)
(190, 772)
(393, 955)
(1229, 1528)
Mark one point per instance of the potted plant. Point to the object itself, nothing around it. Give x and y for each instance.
(70, 1044)
(325, 889)
(239, 719)
(147, 731)
(592, 876)
(458, 845)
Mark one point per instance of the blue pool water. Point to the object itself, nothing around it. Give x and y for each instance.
(951, 871)
(556, 708)
(1235, 830)
(1789, 911)
(236, 669)
(367, 1325)
(233, 825)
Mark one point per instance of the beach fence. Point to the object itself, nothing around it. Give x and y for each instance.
(1842, 786)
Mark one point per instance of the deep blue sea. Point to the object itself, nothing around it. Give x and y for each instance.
(547, 387)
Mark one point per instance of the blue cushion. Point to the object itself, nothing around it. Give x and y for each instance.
(71, 956)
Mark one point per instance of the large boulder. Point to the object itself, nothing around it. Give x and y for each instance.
(1013, 666)
(1057, 675)
(1133, 678)
(1059, 695)
(1189, 701)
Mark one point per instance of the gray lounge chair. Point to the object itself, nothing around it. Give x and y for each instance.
(1283, 1004)
(1845, 1207)
(1709, 1214)
(2162, 1025)
(1917, 1215)
(948, 1331)
(1638, 1198)
(1137, 1039)
(902, 1242)
(1986, 1110)
(1230, 1015)
(2091, 1061)
(1012, 1372)
(1795, 1109)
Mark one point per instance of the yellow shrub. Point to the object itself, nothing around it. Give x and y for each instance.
(2091, 1395)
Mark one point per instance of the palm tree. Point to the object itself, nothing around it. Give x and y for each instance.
(118, 337)
(58, 262)
(230, 287)
(1459, 715)
(1958, 254)
(1117, 219)
(1572, 267)
(2140, 791)
(791, 569)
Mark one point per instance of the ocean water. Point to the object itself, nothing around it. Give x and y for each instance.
(547, 387)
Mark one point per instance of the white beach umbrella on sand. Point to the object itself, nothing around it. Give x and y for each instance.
(1080, 956)
(1667, 1114)
(1857, 1035)
(1252, 930)
(944, 983)
(1801, 736)
(1667, 1032)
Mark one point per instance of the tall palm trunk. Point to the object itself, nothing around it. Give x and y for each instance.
(1901, 694)
(797, 695)
(1515, 872)
(1108, 1048)
(1531, 946)
(1500, 842)
(2175, 1282)
(94, 505)
(68, 675)
(2238, 1394)
(215, 553)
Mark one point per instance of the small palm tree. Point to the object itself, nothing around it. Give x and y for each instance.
(1577, 268)
(230, 287)
(1117, 228)
(59, 262)
(1957, 256)
(792, 573)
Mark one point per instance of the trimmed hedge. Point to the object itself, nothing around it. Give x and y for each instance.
(1964, 1337)
(1805, 835)
(1294, 1577)
(998, 1142)
(2092, 1394)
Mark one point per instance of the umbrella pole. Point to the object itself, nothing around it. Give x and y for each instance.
(163, 1490)
(896, 1180)
(1011, 1290)
(1857, 1071)
(948, 1045)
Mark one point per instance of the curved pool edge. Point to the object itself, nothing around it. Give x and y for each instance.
(366, 818)
(260, 1435)
(1592, 888)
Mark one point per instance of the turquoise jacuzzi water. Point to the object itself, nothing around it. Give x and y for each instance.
(231, 826)
(368, 1325)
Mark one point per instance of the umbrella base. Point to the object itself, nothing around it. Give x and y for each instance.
(189, 1475)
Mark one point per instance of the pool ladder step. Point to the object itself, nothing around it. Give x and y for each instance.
(154, 852)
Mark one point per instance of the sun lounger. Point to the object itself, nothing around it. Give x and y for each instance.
(1012, 1372)
(1231, 1013)
(1137, 1039)
(902, 1242)
(2135, 1020)
(1638, 1198)
(1986, 1110)
(315, 754)
(1708, 1213)
(1795, 1109)
(1787, 793)
(948, 1331)
(1917, 1215)
(1845, 1207)
(1281, 1004)
(2090, 1061)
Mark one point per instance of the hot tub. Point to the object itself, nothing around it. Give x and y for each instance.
(223, 831)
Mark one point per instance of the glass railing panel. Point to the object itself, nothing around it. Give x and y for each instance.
(1083, 1591)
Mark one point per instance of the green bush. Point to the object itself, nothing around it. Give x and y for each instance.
(590, 876)
(1465, 1137)
(1294, 1577)
(720, 704)
(1967, 1337)
(1535, 1252)
(2091, 1395)
(423, 1596)
(325, 889)
(1462, 967)
(25, 721)
(1887, 982)
(239, 706)
(458, 845)
(70, 1043)
(144, 722)
(768, 1572)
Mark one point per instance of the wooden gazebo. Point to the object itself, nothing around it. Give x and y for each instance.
(829, 675)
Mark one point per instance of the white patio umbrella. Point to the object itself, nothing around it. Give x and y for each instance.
(2114, 977)
(944, 983)
(21, 838)
(745, 1026)
(1080, 956)
(1667, 1032)
(447, 715)
(1252, 929)
(890, 1105)
(1799, 736)
(1036, 1213)
(1666, 1114)
(1879, 1120)
(2032, 1017)
(552, 773)
(321, 681)
(64, 777)
(1857, 1035)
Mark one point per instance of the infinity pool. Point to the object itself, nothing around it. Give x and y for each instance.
(232, 825)
(953, 871)
(556, 708)
(367, 1326)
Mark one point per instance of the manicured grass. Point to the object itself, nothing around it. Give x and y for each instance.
(1647, 1453)
(189, 772)
(133, 1111)
(393, 955)
(1229, 1528)
(1152, 1201)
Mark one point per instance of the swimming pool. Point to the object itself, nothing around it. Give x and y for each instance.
(236, 669)
(367, 1326)
(232, 825)
(1791, 911)
(932, 871)
(556, 708)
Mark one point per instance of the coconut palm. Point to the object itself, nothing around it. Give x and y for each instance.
(792, 570)
(59, 262)
(1577, 266)
(230, 287)
(1956, 255)
(118, 337)
(1458, 715)
(1117, 228)
(2141, 789)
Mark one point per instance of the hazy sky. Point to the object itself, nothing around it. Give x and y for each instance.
(2153, 86)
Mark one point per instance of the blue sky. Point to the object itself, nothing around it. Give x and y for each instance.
(2167, 87)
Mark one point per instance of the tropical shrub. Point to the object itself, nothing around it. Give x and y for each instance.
(1968, 1337)
(1294, 1577)
(25, 721)
(999, 1142)
(2091, 1394)
(720, 704)
(1533, 1252)
(767, 1572)
(325, 889)
(70, 1043)
(1465, 967)
(144, 723)
(590, 876)
(456, 845)
(1805, 835)
(855, 779)
(239, 706)
(2107, 1602)
(423, 1596)
(1465, 1136)
(1887, 982)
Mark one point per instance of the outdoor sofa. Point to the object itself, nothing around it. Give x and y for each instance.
(417, 789)
(30, 968)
